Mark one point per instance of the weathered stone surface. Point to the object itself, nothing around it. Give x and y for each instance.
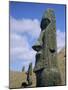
(46, 68)
(48, 77)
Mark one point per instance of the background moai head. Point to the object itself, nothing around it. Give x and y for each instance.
(29, 74)
(30, 69)
(23, 69)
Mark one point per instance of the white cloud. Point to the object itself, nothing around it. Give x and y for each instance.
(60, 39)
(20, 47)
(21, 50)
(19, 44)
(32, 27)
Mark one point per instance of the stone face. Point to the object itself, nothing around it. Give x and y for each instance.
(46, 68)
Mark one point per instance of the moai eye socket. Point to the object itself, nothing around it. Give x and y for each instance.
(44, 23)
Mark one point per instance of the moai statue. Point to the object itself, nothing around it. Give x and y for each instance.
(23, 69)
(46, 67)
(29, 74)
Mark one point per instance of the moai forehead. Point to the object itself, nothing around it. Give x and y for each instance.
(48, 17)
(49, 13)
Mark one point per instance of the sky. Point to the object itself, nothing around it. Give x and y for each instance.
(25, 29)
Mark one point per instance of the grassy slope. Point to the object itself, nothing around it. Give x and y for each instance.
(16, 79)
(62, 64)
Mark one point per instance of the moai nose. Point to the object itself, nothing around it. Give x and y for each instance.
(38, 45)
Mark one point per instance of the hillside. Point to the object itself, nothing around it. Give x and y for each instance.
(62, 64)
(17, 78)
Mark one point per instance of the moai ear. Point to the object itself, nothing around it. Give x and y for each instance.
(44, 23)
(38, 45)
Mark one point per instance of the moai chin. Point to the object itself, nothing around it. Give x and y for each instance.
(46, 68)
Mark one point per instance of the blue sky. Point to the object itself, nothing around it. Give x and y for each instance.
(25, 29)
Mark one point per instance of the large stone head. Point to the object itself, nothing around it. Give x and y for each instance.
(48, 19)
